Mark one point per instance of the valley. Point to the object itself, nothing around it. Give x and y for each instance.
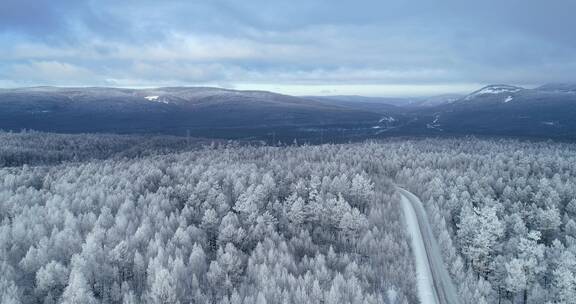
(498, 110)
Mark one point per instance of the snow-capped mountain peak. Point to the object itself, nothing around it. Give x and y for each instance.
(494, 90)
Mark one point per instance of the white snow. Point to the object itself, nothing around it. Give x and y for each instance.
(434, 124)
(497, 90)
(156, 99)
(152, 98)
(492, 90)
(508, 99)
(388, 119)
(424, 279)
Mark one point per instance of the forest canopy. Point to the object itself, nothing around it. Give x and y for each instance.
(219, 225)
(299, 224)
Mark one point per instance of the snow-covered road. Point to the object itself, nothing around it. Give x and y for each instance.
(433, 281)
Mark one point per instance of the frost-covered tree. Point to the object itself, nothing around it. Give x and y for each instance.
(78, 290)
(479, 232)
(163, 288)
(240, 224)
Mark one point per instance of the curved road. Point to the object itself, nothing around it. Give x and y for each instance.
(433, 281)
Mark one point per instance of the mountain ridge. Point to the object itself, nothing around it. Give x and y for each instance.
(200, 111)
(545, 111)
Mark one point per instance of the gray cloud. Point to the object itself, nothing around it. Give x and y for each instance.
(279, 43)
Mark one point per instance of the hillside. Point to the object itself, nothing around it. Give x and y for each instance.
(503, 110)
(178, 110)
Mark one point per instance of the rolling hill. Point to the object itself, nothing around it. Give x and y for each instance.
(192, 110)
(546, 112)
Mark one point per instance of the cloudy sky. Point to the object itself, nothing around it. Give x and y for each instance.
(366, 47)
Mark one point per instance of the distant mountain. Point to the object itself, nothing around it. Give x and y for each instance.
(547, 111)
(559, 87)
(436, 100)
(493, 93)
(179, 110)
(372, 104)
(378, 102)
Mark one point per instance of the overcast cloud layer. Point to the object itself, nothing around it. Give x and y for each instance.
(370, 47)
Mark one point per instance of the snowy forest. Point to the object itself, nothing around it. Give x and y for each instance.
(503, 211)
(175, 221)
(40, 148)
(218, 225)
